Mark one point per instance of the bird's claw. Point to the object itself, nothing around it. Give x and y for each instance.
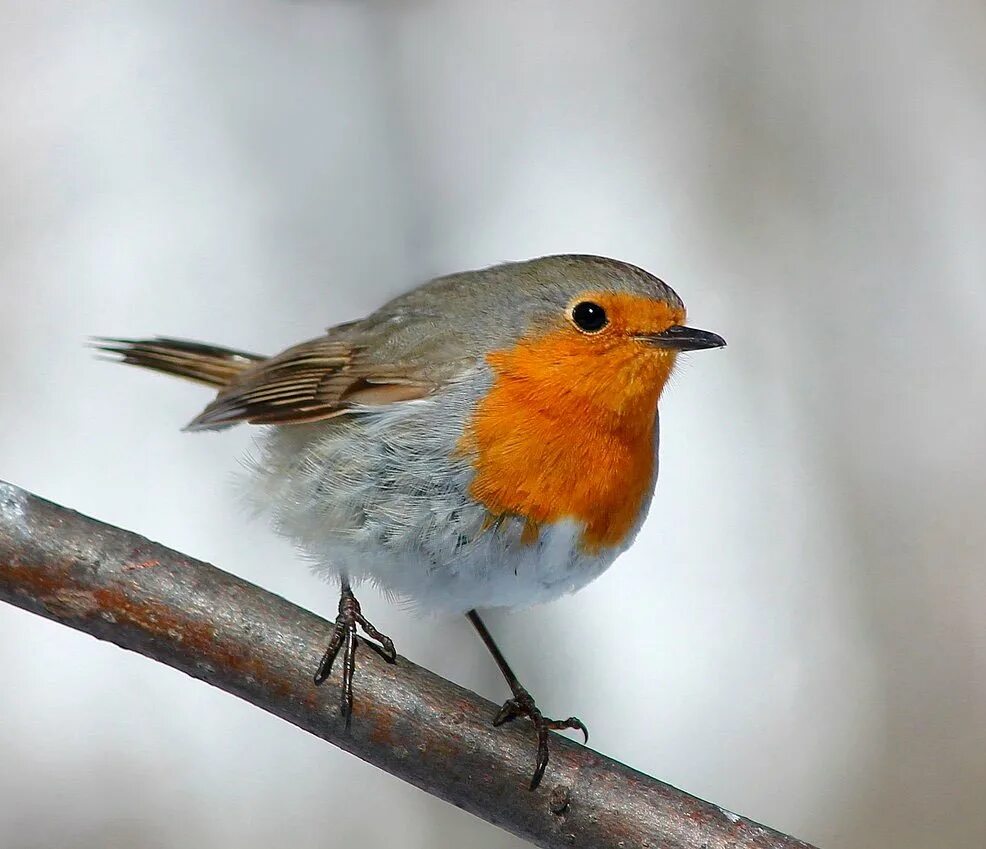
(522, 704)
(344, 634)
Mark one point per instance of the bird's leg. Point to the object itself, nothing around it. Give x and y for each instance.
(344, 634)
(522, 704)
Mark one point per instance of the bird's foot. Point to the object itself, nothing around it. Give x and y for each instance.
(344, 638)
(522, 704)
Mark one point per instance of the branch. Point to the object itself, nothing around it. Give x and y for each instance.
(121, 587)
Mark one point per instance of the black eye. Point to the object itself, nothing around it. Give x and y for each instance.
(589, 316)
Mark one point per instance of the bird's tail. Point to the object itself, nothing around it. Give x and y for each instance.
(208, 364)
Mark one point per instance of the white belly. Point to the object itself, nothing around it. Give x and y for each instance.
(495, 570)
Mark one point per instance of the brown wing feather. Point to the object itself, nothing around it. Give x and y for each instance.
(310, 382)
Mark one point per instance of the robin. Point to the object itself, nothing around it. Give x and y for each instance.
(488, 439)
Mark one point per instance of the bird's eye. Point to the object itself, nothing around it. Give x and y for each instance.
(589, 316)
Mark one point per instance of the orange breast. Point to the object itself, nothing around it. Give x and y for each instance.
(566, 432)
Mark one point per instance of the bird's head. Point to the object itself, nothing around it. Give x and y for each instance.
(592, 328)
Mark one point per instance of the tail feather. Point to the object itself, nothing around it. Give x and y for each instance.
(208, 364)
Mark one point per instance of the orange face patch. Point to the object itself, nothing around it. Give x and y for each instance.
(567, 428)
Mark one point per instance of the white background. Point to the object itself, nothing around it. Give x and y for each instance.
(798, 633)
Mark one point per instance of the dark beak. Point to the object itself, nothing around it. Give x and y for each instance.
(681, 338)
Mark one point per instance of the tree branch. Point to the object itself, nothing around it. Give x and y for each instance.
(142, 596)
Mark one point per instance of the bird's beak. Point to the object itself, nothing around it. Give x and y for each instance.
(681, 338)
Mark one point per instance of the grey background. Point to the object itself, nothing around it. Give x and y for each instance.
(798, 632)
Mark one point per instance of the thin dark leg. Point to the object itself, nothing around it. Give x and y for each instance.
(494, 649)
(522, 703)
(344, 634)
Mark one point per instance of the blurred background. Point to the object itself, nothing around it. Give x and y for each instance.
(801, 634)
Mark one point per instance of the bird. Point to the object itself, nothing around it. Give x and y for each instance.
(489, 439)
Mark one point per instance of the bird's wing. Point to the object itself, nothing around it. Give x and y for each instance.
(313, 381)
